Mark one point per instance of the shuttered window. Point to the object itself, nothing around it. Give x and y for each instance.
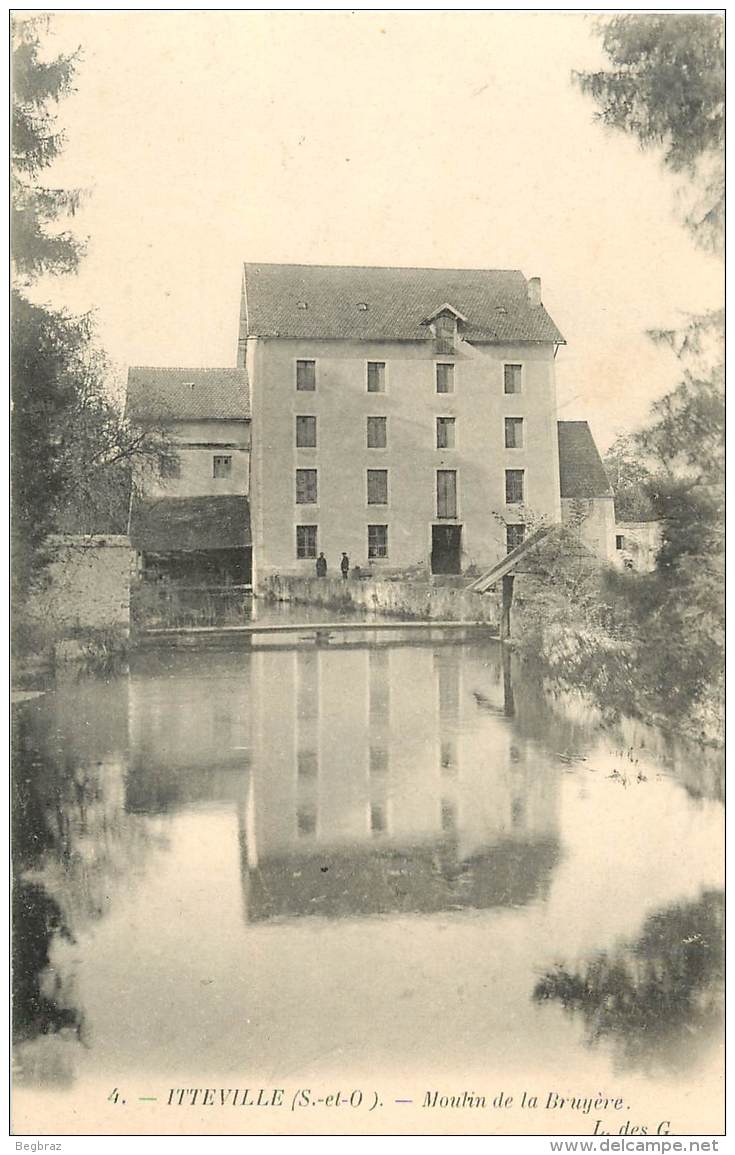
(377, 432)
(444, 378)
(377, 486)
(376, 376)
(512, 378)
(445, 432)
(221, 466)
(514, 535)
(306, 376)
(446, 493)
(306, 432)
(513, 486)
(514, 433)
(305, 486)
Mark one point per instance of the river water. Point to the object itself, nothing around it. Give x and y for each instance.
(397, 868)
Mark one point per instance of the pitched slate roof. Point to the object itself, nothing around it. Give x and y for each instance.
(186, 524)
(581, 472)
(338, 301)
(187, 394)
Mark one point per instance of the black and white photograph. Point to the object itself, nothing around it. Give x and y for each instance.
(367, 477)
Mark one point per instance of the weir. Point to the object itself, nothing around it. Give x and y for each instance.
(323, 629)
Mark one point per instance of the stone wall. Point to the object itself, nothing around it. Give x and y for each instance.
(86, 585)
(637, 545)
(404, 599)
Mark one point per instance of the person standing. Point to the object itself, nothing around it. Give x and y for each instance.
(321, 566)
(344, 565)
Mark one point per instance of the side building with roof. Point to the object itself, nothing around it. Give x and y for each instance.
(190, 521)
(587, 499)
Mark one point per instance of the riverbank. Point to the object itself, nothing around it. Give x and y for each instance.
(605, 636)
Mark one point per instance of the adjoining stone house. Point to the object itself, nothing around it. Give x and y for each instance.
(407, 417)
(637, 544)
(191, 522)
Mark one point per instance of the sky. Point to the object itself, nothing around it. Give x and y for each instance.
(426, 138)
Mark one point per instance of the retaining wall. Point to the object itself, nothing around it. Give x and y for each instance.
(86, 584)
(404, 599)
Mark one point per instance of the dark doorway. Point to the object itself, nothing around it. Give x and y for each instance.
(446, 548)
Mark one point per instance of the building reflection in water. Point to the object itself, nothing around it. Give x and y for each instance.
(423, 800)
(190, 731)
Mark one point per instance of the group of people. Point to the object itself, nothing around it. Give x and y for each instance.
(321, 566)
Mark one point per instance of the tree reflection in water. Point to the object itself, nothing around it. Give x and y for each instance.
(658, 999)
(73, 846)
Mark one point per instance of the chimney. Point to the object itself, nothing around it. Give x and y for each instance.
(534, 292)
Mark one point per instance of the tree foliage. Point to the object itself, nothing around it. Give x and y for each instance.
(629, 477)
(73, 452)
(666, 86)
(38, 244)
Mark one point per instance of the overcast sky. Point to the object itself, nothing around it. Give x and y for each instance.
(405, 138)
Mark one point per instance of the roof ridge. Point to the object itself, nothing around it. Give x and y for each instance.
(384, 268)
(194, 368)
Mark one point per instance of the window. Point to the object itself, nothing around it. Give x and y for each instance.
(307, 764)
(448, 755)
(377, 486)
(445, 330)
(376, 376)
(446, 493)
(170, 468)
(449, 815)
(378, 818)
(619, 541)
(444, 378)
(514, 433)
(378, 760)
(512, 378)
(514, 535)
(377, 432)
(377, 541)
(513, 486)
(306, 376)
(221, 466)
(305, 541)
(445, 433)
(305, 486)
(306, 432)
(306, 821)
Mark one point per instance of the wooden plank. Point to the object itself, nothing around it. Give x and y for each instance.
(507, 564)
(314, 627)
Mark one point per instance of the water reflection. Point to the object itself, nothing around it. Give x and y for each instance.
(405, 813)
(374, 792)
(658, 998)
(74, 846)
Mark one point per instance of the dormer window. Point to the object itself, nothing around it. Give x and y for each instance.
(445, 328)
(444, 322)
